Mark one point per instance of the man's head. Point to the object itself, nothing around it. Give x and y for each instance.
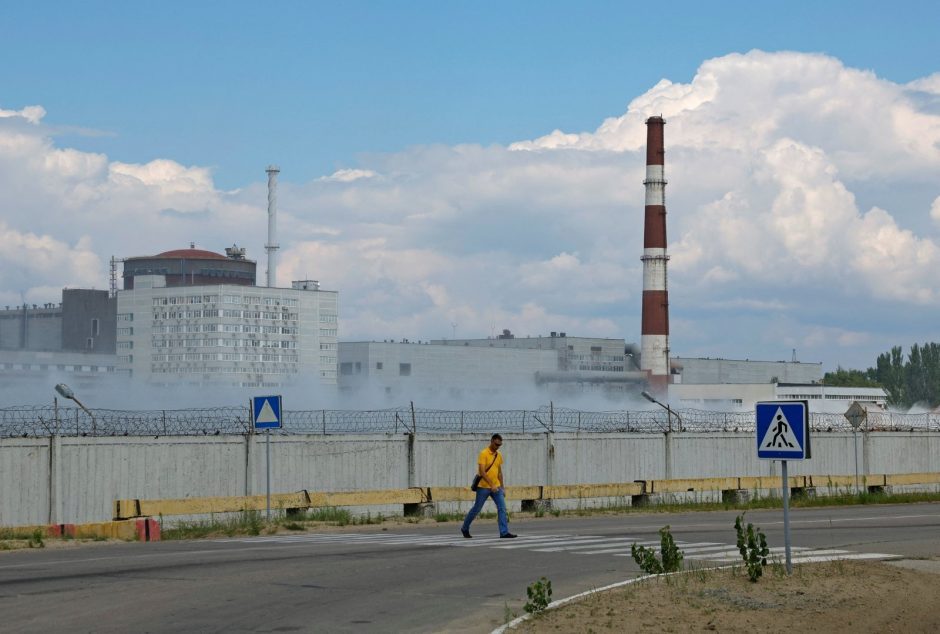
(496, 442)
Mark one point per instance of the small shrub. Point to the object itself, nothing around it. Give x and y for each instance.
(670, 559)
(752, 545)
(35, 539)
(540, 595)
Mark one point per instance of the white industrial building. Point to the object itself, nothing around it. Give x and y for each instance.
(414, 370)
(712, 371)
(582, 364)
(504, 364)
(733, 396)
(227, 334)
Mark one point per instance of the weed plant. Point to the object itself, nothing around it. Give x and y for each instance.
(752, 544)
(540, 595)
(670, 559)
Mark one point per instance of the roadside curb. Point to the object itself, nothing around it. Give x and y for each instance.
(507, 627)
(560, 602)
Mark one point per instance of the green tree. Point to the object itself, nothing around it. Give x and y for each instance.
(851, 378)
(911, 381)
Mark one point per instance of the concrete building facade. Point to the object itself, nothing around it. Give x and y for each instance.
(733, 396)
(84, 321)
(581, 363)
(243, 336)
(413, 370)
(712, 371)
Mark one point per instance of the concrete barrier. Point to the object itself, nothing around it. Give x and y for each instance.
(640, 493)
(62, 480)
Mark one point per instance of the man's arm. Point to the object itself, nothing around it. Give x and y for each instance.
(502, 483)
(481, 471)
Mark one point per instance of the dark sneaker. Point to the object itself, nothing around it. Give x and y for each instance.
(465, 533)
(508, 536)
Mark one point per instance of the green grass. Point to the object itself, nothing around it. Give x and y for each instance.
(845, 498)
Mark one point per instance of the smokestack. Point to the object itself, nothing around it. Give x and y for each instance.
(654, 338)
(271, 247)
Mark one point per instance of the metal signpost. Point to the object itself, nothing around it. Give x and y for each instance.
(856, 415)
(783, 434)
(266, 415)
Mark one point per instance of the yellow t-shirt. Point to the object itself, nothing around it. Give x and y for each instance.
(485, 458)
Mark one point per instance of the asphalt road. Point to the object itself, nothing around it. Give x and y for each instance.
(397, 577)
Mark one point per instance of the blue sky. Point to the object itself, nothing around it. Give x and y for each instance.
(482, 163)
(313, 85)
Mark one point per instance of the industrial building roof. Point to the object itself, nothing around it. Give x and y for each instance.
(191, 254)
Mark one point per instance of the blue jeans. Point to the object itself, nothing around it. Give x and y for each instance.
(499, 498)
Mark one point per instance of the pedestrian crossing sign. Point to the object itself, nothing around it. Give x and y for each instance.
(266, 412)
(782, 430)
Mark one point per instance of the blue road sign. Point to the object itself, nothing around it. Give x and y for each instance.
(782, 430)
(266, 412)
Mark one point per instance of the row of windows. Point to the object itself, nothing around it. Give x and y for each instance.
(61, 366)
(615, 358)
(327, 319)
(597, 367)
(257, 299)
(327, 332)
(348, 368)
(126, 331)
(223, 370)
(327, 346)
(238, 314)
(226, 356)
(189, 299)
(125, 345)
(234, 328)
(223, 343)
(125, 317)
(839, 397)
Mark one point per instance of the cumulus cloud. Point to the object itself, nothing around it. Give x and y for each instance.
(796, 190)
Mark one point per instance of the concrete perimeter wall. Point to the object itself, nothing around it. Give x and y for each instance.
(77, 479)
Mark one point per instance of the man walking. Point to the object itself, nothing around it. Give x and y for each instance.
(490, 472)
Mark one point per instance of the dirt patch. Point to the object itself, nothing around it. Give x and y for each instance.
(9, 545)
(840, 596)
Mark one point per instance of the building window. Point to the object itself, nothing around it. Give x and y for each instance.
(94, 327)
(89, 343)
(378, 365)
(404, 369)
(345, 368)
(358, 367)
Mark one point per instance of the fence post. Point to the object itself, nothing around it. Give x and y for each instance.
(414, 421)
(54, 443)
(549, 459)
(461, 421)
(164, 422)
(324, 422)
(551, 416)
(411, 460)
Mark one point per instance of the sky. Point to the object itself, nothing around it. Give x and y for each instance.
(461, 168)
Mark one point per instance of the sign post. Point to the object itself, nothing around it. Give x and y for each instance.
(783, 434)
(266, 415)
(856, 415)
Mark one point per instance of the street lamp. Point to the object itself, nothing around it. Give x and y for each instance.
(66, 392)
(652, 399)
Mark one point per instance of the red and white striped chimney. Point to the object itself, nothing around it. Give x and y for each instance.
(654, 339)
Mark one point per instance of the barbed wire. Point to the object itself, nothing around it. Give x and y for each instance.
(44, 421)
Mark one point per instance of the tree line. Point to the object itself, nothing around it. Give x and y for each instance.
(905, 381)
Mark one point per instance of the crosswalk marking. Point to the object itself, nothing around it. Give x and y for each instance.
(711, 553)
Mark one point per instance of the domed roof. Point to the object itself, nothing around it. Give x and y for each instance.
(191, 254)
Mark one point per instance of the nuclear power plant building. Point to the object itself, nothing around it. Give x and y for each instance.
(195, 317)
